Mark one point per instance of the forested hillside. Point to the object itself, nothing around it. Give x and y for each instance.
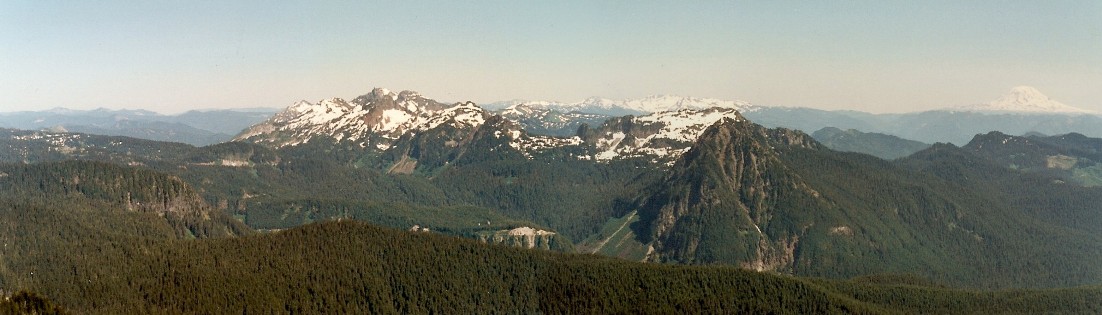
(96, 267)
(130, 189)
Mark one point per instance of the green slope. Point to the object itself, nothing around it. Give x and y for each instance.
(880, 145)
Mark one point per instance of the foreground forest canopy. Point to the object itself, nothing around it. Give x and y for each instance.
(352, 267)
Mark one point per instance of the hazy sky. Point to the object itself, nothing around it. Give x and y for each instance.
(879, 56)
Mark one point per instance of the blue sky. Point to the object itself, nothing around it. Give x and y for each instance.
(879, 56)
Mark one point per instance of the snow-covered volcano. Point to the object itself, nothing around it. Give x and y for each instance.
(1025, 99)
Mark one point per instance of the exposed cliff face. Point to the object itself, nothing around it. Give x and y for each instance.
(234, 154)
(526, 237)
(451, 143)
(730, 199)
(135, 190)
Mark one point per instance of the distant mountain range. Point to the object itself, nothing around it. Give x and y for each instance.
(397, 123)
(646, 105)
(1023, 110)
(192, 127)
(659, 126)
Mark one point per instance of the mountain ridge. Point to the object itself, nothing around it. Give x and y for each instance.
(630, 106)
(191, 127)
(382, 120)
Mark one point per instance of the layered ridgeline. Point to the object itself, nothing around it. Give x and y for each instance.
(194, 127)
(405, 127)
(1022, 110)
(696, 186)
(880, 145)
(636, 106)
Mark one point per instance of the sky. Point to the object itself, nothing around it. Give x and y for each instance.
(874, 56)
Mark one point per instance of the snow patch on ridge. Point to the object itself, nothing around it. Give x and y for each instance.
(610, 145)
(662, 136)
(685, 125)
(379, 119)
(392, 118)
(649, 104)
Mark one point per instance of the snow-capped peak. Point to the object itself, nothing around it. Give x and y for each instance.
(518, 110)
(1025, 95)
(465, 114)
(659, 103)
(662, 136)
(638, 106)
(378, 93)
(382, 119)
(600, 102)
(376, 119)
(1025, 99)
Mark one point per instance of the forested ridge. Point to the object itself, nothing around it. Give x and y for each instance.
(880, 145)
(953, 217)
